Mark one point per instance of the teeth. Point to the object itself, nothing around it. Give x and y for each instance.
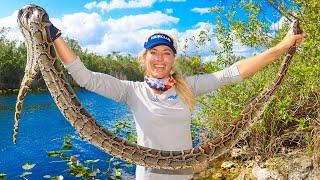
(159, 66)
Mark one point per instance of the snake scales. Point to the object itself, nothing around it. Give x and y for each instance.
(33, 20)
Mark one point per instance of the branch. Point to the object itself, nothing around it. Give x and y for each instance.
(273, 5)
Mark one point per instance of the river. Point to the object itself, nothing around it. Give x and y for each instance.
(42, 129)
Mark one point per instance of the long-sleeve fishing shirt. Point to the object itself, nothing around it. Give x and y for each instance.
(162, 120)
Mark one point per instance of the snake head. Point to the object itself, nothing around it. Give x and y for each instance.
(32, 18)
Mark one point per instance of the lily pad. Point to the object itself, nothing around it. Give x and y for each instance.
(25, 174)
(91, 161)
(3, 176)
(47, 176)
(28, 166)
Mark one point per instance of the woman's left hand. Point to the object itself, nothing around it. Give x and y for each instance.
(257, 62)
(289, 40)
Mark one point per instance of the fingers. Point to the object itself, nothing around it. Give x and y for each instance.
(298, 42)
(305, 35)
(299, 38)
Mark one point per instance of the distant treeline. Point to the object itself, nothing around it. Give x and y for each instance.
(13, 56)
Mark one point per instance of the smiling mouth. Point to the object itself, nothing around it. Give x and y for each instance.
(159, 67)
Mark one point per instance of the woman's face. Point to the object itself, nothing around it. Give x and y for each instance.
(159, 61)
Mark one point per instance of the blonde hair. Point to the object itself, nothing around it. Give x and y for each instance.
(183, 89)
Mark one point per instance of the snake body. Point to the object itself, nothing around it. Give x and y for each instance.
(33, 21)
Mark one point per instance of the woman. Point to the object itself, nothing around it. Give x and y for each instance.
(163, 103)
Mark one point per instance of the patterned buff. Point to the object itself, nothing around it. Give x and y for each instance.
(160, 84)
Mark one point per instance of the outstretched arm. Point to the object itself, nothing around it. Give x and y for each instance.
(100, 83)
(63, 51)
(242, 69)
(248, 67)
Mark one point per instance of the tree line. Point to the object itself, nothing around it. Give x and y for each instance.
(13, 56)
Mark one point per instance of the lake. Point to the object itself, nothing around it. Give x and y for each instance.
(42, 129)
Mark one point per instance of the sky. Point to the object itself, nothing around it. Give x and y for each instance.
(121, 25)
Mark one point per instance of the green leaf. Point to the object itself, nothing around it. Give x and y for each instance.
(69, 137)
(57, 178)
(3, 176)
(94, 173)
(28, 166)
(118, 173)
(65, 150)
(67, 145)
(91, 161)
(25, 174)
(129, 165)
(216, 9)
(110, 160)
(53, 153)
(47, 176)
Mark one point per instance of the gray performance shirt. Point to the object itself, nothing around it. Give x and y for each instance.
(162, 120)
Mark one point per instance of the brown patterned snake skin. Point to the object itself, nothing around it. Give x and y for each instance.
(33, 19)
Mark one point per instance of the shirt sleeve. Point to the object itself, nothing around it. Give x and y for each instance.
(99, 83)
(205, 83)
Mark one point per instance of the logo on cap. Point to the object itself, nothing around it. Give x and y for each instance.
(159, 39)
(161, 36)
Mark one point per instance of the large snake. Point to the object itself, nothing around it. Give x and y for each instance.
(33, 22)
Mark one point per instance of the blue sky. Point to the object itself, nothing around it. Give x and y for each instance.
(181, 9)
(121, 25)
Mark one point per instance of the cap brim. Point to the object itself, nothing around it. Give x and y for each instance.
(151, 45)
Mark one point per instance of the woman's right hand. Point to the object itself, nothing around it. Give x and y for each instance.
(65, 54)
(52, 31)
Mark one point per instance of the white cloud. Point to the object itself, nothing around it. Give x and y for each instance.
(209, 58)
(86, 28)
(173, 0)
(90, 5)
(242, 50)
(190, 39)
(126, 34)
(135, 22)
(90, 28)
(11, 22)
(129, 41)
(192, 36)
(169, 11)
(279, 24)
(200, 10)
(115, 41)
(124, 4)
(119, 4)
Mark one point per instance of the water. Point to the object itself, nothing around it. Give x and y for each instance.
(42, 129)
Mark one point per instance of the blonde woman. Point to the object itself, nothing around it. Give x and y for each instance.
(162, 104)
